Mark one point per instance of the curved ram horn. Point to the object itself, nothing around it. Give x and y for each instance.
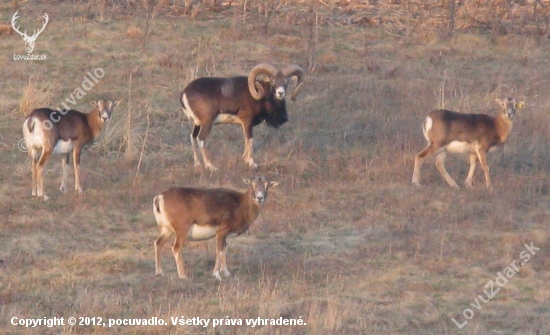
(256, 89)
(294, 70)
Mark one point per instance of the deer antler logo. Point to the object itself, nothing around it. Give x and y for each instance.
(29, 40)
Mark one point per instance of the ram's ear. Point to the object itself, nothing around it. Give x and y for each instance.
(520, 104)
(500, 102)
(273, 183)
(246, 181)
(93, 103)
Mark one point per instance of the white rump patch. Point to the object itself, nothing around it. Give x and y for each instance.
(161, 218)
(63, 147)
(201, 233)
(36, 138)
(188, 111)
(458, 147)
(427, 126)
(227, 118)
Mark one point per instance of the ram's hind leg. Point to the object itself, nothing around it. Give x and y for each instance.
(194, 134)
(203, 134)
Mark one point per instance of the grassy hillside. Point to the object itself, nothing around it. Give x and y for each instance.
(345, 242)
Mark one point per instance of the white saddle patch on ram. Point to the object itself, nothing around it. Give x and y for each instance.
(227, 88)
(227, 118)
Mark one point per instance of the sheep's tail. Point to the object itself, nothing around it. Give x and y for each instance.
(156, 203)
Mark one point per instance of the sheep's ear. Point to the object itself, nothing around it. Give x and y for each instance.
(115, 103)
(273, 183)
(246, 181)
(500, 102)
(93, 103)
(520, 104)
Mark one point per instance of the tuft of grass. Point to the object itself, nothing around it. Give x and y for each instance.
(134, 32)
(36, 93)
(6, 29)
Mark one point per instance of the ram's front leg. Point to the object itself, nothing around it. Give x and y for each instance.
(248, 142)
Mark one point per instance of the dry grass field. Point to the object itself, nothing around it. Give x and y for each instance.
(345, 242)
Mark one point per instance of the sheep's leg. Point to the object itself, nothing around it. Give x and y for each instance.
(40, 173)
(428, 152)
(220, 255)
(76, 162)
(176, 248)
(469, 179)
(248, 149)
(223, 259)
(440, 165)
(64, 172)
(32, 154)
(194, 134)
(203, 134)
(160, 241)
(482, 155)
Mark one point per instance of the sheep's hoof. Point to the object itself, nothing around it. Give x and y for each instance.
(159, 273)
(226, 273)
(217, 275)
(62, 188)
(46, 198)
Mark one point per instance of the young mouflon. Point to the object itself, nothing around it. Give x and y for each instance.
(50, 132)
(470, 134)
(198, 214)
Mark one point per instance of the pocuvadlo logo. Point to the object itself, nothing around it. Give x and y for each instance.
(29, 40)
